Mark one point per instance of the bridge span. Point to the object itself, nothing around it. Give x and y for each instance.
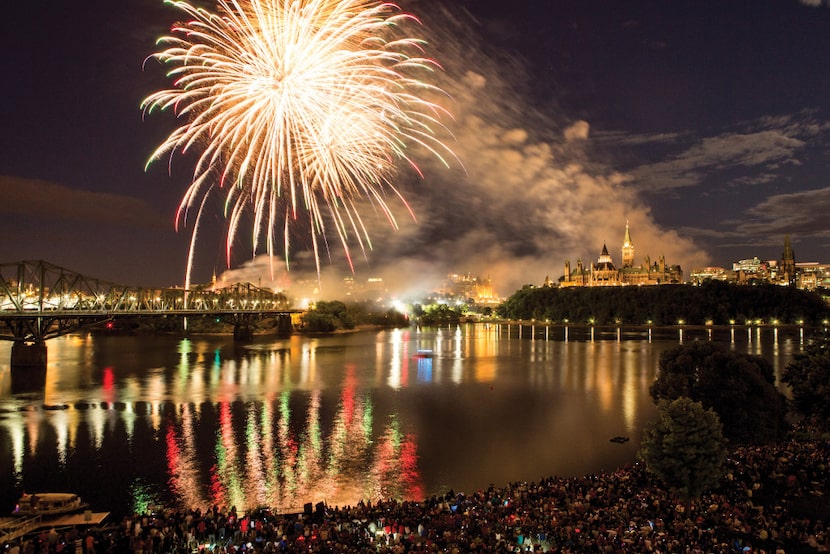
(39, 301)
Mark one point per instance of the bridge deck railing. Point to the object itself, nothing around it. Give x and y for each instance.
(29, 288)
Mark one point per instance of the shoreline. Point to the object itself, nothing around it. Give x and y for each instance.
(641, 327)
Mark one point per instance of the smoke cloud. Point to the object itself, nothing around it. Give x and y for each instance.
(528, 194)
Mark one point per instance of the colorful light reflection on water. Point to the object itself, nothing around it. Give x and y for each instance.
(277, 466)
(282, 423)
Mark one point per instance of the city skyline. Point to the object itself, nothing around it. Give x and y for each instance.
(706, 127)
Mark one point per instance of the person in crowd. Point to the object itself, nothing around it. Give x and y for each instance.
(761, 506)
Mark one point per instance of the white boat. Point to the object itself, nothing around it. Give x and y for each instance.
(49, 504)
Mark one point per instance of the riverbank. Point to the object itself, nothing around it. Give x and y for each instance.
(772, 499)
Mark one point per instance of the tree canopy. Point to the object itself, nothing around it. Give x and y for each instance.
(808, 377)
(684, 447)
(439, 314)
(720, 303)
(740, 388)
(327, 317)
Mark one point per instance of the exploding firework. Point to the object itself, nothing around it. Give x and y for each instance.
(300, 111)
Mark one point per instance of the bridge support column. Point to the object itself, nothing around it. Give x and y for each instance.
(28, 367)
(284, 325)
(29, 355)
(242, 332)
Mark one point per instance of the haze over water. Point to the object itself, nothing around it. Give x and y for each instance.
(130, 422)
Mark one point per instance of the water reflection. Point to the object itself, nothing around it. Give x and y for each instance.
(200, 421)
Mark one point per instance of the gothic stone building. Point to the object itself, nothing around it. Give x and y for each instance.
(605, 273)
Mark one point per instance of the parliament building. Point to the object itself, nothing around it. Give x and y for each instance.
(604, 273)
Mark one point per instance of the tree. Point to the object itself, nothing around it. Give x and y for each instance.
(740, 388)
(684, 447)
(808, 377)
(317, 322)
(440, 314)
(327, 317)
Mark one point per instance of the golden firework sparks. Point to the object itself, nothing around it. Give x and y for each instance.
(298, 109)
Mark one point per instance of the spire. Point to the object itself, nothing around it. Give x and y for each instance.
(627, 248)
(788, 262)
(604, 258)
(788, 250)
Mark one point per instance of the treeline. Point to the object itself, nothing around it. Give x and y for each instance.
(197, 324)
(327, 317)
(436, 315)
(715, 301)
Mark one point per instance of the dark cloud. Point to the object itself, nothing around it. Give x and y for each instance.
(806, 212)
(762, 150)
(43, 201)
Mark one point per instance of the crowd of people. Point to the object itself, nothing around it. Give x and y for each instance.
(770, 500)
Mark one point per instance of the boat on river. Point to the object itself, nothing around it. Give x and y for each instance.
(49, 504)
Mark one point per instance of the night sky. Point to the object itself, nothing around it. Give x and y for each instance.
(706, 125)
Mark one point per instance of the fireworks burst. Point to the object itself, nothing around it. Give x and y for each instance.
(299, 110)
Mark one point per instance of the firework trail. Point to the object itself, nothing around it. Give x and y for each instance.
(299, 110)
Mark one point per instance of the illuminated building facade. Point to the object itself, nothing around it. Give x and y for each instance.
(605, 273)
(812, 275)
(710, 273)
(469, 287)
(786, 271)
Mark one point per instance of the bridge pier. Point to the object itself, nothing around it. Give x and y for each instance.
(284, 325)
(28, 367)
(242, 332)
(31, 355)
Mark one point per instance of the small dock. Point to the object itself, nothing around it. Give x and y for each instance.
(12, 528)
(79, 518)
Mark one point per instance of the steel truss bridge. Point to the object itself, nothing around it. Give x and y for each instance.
(39, 301)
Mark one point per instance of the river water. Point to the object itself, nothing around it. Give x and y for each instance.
(133, 422)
